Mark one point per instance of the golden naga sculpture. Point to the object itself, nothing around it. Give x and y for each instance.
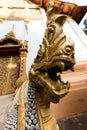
(56, 54)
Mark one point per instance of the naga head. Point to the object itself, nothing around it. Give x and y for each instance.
(56, 54)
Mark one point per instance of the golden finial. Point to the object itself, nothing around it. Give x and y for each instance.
(11, 33)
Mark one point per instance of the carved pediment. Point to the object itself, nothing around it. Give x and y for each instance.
(9, 40)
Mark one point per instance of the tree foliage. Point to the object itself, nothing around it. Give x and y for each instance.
(85, 28)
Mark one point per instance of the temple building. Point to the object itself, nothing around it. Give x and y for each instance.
(22, 27)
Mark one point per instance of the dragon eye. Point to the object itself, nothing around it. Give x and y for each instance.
(68, 49)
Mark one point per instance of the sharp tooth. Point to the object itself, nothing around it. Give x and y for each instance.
(46, 74)
(58, 73)
(61, 65)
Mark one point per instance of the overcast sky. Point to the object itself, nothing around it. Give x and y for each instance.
(78, 2)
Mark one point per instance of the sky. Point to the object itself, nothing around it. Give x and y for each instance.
(78, 2)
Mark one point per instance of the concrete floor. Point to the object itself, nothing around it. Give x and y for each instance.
(75, 122)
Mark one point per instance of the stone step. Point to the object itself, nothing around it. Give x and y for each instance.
(75, 122)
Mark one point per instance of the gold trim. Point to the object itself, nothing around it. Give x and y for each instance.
(21, 108)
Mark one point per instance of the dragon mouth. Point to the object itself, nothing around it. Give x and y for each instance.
(55, 71)
(55, 76)
(60, 87)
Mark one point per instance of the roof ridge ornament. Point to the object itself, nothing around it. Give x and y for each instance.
(11, 34)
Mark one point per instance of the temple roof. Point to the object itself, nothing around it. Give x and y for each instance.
(30, 9)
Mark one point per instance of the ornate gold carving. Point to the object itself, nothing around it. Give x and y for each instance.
(11, 51)
(8, 74)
